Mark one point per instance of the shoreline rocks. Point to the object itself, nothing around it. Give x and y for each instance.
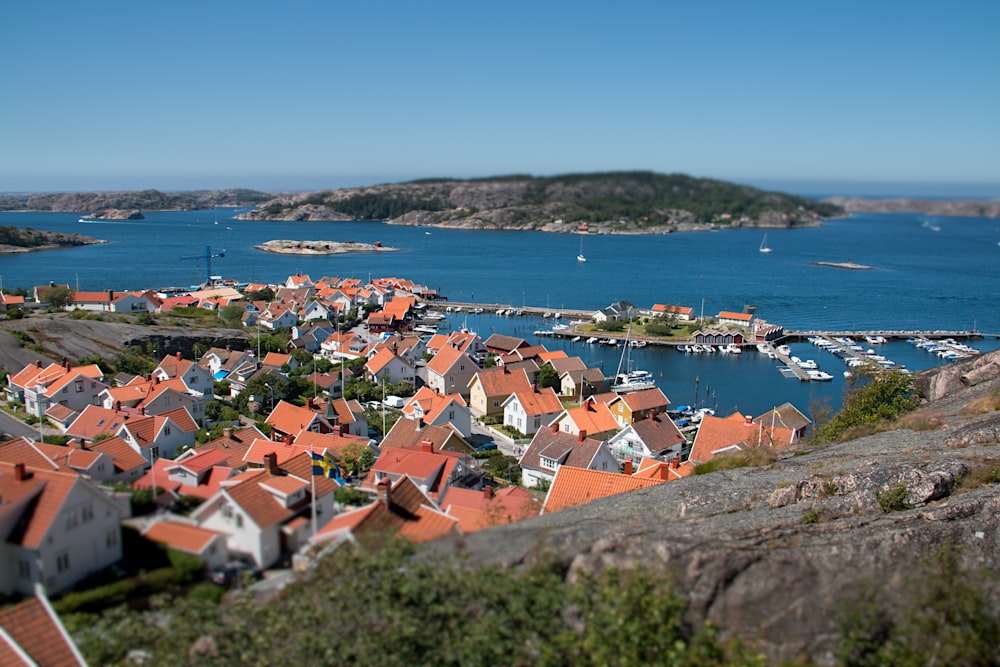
(290, 247)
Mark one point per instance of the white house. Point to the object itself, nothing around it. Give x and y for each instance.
(59, 528)
(266, 513)
(528, 411)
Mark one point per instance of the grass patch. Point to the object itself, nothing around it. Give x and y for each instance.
(981, 475)
(918, 422)
(753, 457)
(983, 404)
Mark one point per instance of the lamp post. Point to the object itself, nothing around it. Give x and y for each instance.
(268, 385)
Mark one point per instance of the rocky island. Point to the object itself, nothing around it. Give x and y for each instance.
(598, 203)
(288, 247)
(17, 239)
(115, 214)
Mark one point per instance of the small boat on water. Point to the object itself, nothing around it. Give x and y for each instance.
(818, 376)
(763, 245)
(591, 340)
(575, 339)
(784, 350)
(581, 257)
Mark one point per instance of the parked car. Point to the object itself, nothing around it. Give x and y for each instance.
(232, 573)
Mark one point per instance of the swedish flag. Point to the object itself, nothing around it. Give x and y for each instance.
(324, 465)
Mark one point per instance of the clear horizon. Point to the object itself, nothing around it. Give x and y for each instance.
(891, 99)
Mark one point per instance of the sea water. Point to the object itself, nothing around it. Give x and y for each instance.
(926, 274)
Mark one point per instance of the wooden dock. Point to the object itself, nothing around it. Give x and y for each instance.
(797, 371)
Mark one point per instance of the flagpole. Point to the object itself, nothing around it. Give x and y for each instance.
(312, 480)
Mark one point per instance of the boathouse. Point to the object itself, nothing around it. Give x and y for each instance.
(724, 336)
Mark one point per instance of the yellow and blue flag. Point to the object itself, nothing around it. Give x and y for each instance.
(324, 465)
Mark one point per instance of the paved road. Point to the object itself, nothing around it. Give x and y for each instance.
(16, 428)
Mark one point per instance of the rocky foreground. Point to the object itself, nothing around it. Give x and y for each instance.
(770, 554)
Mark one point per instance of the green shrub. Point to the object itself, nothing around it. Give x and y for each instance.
(96, 599)
(895, 499)
(207, 592)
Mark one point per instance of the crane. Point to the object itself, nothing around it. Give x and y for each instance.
(208, 260)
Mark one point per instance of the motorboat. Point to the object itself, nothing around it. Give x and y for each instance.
(591, 340)
(818, 376)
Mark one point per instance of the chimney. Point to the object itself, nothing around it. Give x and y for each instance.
(179, 357)
(344, 429)
(286, 438)
(427, 446)
(676, 461)
(583, 436)
(628, 466)
(111, 295)
(555, 428)
(118, 406)
(20, 472)
(383, 492)
(309, 403)
(664, 472)
(748, 420)
(271, 464)
(38, 363)
(652, 413)
(488, 492)
(227, 432)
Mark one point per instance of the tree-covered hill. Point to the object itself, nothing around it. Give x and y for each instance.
(616, 201)
(148, 200)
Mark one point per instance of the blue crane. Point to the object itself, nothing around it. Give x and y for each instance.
(208, 261)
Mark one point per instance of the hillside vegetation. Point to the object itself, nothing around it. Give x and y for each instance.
(608, 202)
(148, 200)
(13, 239)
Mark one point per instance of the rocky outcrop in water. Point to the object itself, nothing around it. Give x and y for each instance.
(945, 208)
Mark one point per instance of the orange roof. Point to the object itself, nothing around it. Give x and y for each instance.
(680, 310)
(576, 486)
(276, 359)
(539, 401)
(381, 359)
(431, 403)
(476, 510)
(408, 433)
(261, 447)
(410, 513)
(286, 485)
(646, 399)
(502, 381)
(447, 357)
(592, 418)
(553, 354)
(289, 418)
(182, 536)
(50, 489)
(35, 629)
(23, 450)
(125, 458)
(720, 435)
(743, 317)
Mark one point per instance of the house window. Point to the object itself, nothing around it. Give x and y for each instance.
(154, 453)
(71, 519)
(194, 379)
(227, 511)
(24, 568)
(62, 562)
(166, 430)
(461, 367)
(86, 512)
(239, 520)
(79, 385)
(111, 537)
(496, 403)
(566, 428)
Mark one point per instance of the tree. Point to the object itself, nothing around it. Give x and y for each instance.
(547, 377)
(231, 313)
(59, 296)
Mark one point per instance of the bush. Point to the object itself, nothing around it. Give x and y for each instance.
(878, 399)
(896, 499)
(207, 592)
(96, 599)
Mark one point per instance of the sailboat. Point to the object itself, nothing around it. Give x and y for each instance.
(581, 257)
(626, 379)
(763, 245)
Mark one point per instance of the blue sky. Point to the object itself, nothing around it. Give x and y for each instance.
(872, 98)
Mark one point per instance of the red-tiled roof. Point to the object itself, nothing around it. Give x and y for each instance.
(476, 510)
(289, 418)
(718, 435)
(576, 486)
(502, 381)
(125, 458)
(50, 489)
(410, 513)
(35, 629)
(183, 536)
